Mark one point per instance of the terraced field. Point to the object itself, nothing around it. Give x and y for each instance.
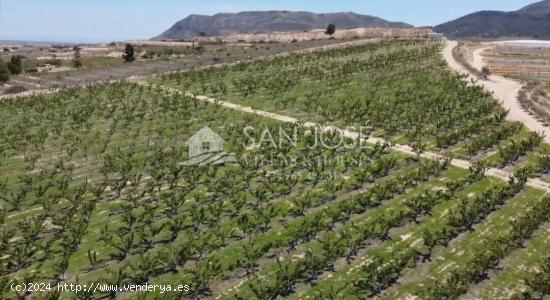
(97, 186)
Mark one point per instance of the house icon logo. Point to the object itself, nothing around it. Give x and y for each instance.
(206, 147)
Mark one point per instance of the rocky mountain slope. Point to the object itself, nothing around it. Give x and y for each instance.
(531, 21)
(268, 21)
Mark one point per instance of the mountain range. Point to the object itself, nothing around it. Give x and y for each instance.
(269, 21)
(531, 21)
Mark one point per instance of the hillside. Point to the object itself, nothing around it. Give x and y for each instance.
(268, 21)
(530, 21)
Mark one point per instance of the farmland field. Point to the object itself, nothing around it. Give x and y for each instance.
(528, 62)
(98, 184)
(401, 89)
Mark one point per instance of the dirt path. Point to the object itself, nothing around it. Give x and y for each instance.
(460, 163)
(505, 90)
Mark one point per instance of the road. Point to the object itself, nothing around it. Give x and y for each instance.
(505, 90)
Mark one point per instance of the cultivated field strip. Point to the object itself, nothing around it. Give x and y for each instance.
(320, 198)
(472, 256)
(406, 244)
(270, 96)
(406, 149)
(292, 232)
(374, 222)
(336, 86)
(516, 268)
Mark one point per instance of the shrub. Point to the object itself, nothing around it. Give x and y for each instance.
(485, 71)
(331, 29)
(16, 64)
(128, 54)
(77, 58)
(4, 72)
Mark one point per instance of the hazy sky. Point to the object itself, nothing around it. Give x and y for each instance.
(108, 20)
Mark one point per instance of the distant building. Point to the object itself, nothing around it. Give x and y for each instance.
(436, 36)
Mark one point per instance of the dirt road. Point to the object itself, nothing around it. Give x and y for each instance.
(505, 90)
